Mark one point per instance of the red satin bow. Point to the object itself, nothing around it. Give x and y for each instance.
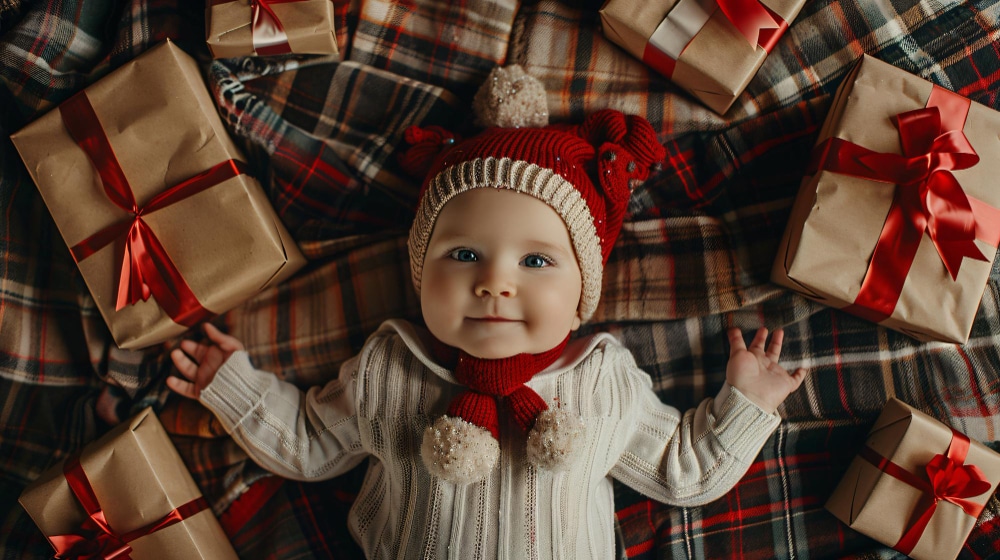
(948, 479)
(754, 20)
(95, 539)
(932, 198)
(146, 268)
(928, 197)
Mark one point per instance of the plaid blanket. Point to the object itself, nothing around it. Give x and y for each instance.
(693, 258)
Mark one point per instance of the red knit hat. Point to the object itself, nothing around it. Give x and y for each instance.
(583, 172)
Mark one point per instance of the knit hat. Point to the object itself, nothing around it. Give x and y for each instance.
(582, 171)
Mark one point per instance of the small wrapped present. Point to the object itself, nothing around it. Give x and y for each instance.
(917, 485)
(127, 493)
(269, 27)
(154, 199)
(896, 220)
(711, 48)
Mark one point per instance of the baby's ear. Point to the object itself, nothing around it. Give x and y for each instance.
(576, 322)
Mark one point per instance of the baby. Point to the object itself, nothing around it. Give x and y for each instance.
(490, 433)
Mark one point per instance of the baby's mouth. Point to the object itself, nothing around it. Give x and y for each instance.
(492, 319)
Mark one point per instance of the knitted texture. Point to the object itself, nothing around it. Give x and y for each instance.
(490, 380)
(454, 446)
(583, 172)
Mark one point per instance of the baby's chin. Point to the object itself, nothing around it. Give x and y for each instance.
(490, 352)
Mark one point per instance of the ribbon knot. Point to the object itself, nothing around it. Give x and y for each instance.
(94, 541)
(952, 481)
(931, 197)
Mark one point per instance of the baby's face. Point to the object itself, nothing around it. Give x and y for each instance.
(500, 276)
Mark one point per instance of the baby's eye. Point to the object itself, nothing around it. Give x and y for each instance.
(536, 261)
(464, 255)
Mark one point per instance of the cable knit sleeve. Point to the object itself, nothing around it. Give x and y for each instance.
(299, 435)
(684, 459)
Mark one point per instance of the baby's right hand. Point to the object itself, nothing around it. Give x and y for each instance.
(207, 359)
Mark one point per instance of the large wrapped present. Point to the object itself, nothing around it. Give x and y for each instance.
(711, 48)
(269, 27)
(154, 200)
(127, 493)
(917, 485)
(896, 220)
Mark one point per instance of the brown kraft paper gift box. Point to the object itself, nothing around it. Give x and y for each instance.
(717, 63)
(137, 478)
(225, 241)
(884, 507)
(837, 219)
(307, 27)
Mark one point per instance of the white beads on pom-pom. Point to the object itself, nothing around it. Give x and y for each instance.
(554, 440)
(458, 451)
(510, 98)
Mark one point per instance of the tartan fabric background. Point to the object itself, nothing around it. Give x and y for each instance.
(693, 258)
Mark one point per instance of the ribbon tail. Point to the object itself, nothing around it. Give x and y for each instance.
(132, 287)
(166, 284)
(953, 252)
(750, 18)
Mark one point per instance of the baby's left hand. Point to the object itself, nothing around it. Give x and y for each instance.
(755, 370)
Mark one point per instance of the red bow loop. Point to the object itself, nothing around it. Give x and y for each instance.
(952, 481)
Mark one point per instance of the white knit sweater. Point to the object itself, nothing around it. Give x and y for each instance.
(386, 396)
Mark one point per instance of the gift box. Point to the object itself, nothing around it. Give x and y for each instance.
(917, 485)
(127, 492)
(896, 220)
(710, 48)
(269, 27)
(154, 199)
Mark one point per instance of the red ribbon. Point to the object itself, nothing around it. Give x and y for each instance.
(756, 22)
(95, 539)
(269, 37)
(761, 26)
(146, 269)
(928, 198)
(947, 478)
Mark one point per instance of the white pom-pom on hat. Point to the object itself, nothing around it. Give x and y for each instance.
(510, 98)
(458, 451)
(555, 439)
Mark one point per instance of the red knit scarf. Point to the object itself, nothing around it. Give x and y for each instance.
(490, 381)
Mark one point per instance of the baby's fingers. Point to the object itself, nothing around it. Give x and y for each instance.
(185, 365)
(774, 349)
(226, 342)
(182, 387)
(736, 343)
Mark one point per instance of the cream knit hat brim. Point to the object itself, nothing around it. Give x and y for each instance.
(524, 177)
